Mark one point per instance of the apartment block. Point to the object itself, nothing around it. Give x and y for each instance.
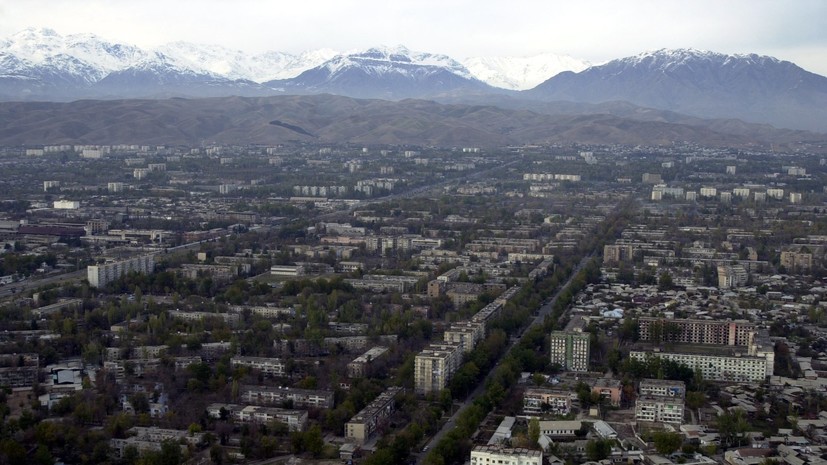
(662, 388)
(538, 400)
(618, 253)
(360, 366)
(794, 261)
(658, 409)
(101, 275)
(570, 350)
(465, 333)
(275, 395)
(268, 366)
(364, 424)
(435, 366)
(688, 331)
(716, 367)
(296, 420)
(495, 455)
(731, 276)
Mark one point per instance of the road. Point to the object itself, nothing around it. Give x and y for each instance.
(545, 310)
(23, 286)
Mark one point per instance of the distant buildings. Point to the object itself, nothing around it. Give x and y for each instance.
(616, 254)
(796, 262)
(732, 276)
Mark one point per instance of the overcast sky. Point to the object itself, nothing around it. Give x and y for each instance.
(593, 30)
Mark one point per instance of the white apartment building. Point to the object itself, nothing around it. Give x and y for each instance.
(66, 205)
(734, 368)
(658, 409)
(275, 395)
(662, 388)
(268, 366)
(494, 455)
(101, 275)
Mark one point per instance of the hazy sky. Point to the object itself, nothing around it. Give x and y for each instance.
(594, 30)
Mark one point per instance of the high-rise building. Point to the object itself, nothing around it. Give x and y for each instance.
(570, 350)
(435, 366)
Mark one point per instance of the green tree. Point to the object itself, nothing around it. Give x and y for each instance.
(533, 431)
(667, 442)
(598, 449)
(313, 441)
(732, 427)
(665, 282)
(695, 399)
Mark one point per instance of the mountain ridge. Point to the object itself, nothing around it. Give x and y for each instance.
(328, 118)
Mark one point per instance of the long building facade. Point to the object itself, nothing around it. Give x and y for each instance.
(715, 367)
(685, 331)
(101, 275)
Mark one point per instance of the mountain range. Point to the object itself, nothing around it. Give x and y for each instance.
(42, 65)
(336, 119)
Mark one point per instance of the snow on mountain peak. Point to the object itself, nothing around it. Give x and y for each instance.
(386, 59)
(669, 59)
(521, 73)
(99, 57)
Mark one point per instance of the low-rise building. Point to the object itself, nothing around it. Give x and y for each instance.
(491, 455)
(296, 420)
(277, 396)
(267, 365)
(364, 424)
(659, 409)
(360, 366)
(608, 389)
(538, 400)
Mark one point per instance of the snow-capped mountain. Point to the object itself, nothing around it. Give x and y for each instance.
(701, 83)
(521, 73)
(40, 45)
(40, 64)
(235, 64)
(386, 72)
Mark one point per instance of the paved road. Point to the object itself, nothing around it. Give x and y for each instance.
(545, 309)
(17, 288)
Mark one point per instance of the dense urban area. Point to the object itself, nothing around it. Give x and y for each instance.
(297, 304)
